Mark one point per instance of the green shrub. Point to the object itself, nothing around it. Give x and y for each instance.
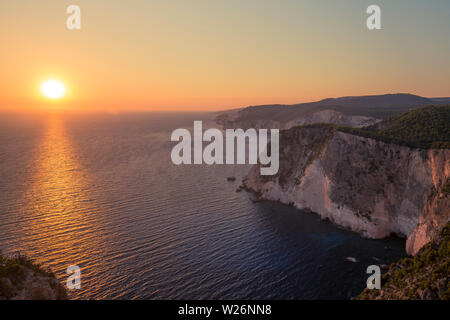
(420, 128)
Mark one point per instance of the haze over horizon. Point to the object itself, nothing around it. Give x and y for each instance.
(214, 55)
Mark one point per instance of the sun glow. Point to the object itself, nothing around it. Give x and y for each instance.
(53, 89)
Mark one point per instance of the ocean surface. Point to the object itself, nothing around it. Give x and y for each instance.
(100, 191)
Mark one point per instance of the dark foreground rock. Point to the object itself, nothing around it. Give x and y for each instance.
(22, 279)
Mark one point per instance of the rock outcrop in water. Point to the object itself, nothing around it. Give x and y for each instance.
(367, 185)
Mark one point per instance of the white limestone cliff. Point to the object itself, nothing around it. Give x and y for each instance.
(371, 187)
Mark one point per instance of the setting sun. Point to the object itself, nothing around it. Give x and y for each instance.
(53, 89)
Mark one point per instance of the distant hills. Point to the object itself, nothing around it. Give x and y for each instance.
(372, 106)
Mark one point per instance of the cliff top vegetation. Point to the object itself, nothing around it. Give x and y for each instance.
(425, 128)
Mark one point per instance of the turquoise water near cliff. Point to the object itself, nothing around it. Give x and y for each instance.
(99, 191)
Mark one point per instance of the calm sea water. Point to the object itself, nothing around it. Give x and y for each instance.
(100, 192)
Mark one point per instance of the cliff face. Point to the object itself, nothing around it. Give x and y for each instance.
(368, 186)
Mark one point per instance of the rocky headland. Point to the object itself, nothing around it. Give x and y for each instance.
(390, 178)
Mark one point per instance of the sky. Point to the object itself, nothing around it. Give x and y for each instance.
(170, 55)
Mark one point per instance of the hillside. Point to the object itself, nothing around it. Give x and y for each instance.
(22, 279)
(425, 128)
(377, 106)
(425, 276)
(355, 111)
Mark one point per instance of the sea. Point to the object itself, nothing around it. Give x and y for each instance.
(99, 191)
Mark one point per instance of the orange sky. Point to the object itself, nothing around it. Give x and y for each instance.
(210, 55)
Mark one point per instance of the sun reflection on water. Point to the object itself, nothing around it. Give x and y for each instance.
(63, 222)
